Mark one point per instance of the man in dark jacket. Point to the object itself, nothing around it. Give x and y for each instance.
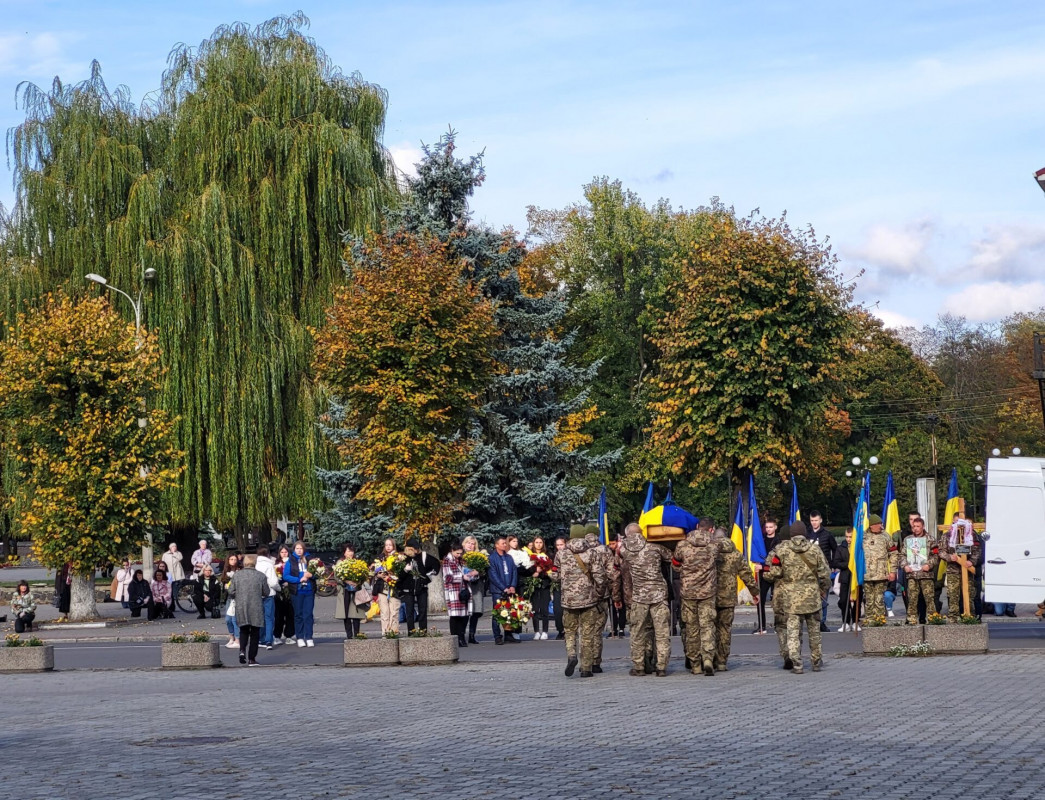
(503, 576)
(821, 536)
(413, 586)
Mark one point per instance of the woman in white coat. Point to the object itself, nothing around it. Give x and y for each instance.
(124, 575)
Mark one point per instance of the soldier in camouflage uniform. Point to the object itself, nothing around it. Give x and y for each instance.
(799, 566)
(881, 557)
(959, 534)
(694, 558)
(731, 567)
(921, 580)
(640, 582)
(591, 536)
(583, 576)
(780, 604)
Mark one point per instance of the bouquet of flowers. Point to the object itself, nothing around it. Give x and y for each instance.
(512, 612)
(391, 569)
(351, 570)
(541, 560)
(318, 569)
(480, 562)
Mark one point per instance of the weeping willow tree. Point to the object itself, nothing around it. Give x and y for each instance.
(236, 182)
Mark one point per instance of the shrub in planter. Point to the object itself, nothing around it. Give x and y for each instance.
(26, 655)
(363, 652)
(428, 647)
(192, 651)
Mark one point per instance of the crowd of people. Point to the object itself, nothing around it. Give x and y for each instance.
(583, 588)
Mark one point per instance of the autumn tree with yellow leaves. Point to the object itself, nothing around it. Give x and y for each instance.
(406, 349)
(74, 380)
(758, 326)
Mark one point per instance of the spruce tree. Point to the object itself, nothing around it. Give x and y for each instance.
(522, 477)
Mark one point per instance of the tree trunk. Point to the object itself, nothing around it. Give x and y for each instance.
(81, 598)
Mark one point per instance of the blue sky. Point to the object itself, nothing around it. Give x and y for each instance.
(907, 132)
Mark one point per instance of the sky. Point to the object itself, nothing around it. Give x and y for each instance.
(906, 133)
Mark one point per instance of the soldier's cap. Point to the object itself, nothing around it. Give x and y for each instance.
(577, 530)
(874, 519)
(798, 529)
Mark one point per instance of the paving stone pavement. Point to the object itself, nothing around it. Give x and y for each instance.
(521, 729)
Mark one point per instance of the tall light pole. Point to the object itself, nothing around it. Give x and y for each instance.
(147, 275)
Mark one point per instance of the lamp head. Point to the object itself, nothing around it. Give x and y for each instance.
(1016, 451)
(149, 274)
(96, 278)
(978, 468)
(856, 461)
(873, 461)
(995, 452)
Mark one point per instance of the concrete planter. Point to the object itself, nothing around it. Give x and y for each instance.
(371, 652)
(27, 659)
(191, 655)
(957, 638)
(879, 641)
(428, 650)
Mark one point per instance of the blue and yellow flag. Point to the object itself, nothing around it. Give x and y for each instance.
(604, 517)
(649, 499)
(890, 509)
(953, 507)
(756, 545)
(796, 514)
(857, 559)
(737, 534)
(953, 500)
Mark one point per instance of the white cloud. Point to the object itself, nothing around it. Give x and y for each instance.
(1007, 252)
(896, 252)
(37, 57)
(406, 156)
(984, 302)
(894, 319)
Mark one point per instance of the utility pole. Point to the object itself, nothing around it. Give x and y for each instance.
(1039, 369)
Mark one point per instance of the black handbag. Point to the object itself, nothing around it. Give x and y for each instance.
(464, 595)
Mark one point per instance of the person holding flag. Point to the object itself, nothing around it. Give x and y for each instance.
(880, 558)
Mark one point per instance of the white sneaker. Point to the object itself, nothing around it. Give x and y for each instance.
(267, 646)
(232, 644)
(843, 629)
(309, 643)
(890, 613)
(301, 642)
(544, 634)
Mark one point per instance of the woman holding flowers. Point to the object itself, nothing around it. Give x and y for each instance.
(284, 610)
(476, 565)
(454, 585)
(302, 593)
(540, 586)
(352, 574)
(387, 569)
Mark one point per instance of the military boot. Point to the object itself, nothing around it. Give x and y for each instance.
(571, 665)
(636, 673)
(797, 669)
(596, 667)
(721, 667)
(662, 673)
(818, 665)
(586, 674)
(709, 668)
(788, 663)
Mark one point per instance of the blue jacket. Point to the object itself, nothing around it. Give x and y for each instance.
(503, 573)
(292, 575)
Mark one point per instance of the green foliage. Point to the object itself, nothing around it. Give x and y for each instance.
(74, 385)
(235, 183)
(406, 348)
(757, 330)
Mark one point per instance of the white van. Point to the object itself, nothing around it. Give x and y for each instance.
(1014, 571)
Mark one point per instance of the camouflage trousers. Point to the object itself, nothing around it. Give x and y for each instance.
(699, 638)
(874, 598)
(780, 625)
(916, 588)
(954, 594)
(723, 635)
(603, 609)
(794, 637)
(650, 626)
(585, 625)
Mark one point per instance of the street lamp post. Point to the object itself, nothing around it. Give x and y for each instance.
(147, 275)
